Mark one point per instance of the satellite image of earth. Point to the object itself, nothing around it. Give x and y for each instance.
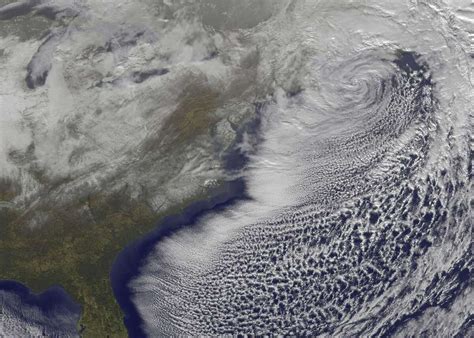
(236, 168)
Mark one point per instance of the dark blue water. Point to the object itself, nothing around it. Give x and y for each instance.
(127, 264)
(51, 300)
(55, 306)
(55, 301)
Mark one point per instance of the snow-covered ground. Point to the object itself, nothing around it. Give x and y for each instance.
(135, 93)
(360, 221)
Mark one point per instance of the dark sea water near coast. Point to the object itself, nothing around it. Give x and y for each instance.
(54, 305)
(126, 267)
(55, 300)
(128, 263)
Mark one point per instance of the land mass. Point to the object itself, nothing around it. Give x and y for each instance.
(77, 254)
(76, 243)
(66, 227)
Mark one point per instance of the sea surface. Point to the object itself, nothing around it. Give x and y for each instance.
(50, 313)
(347, 203)
(127, 265)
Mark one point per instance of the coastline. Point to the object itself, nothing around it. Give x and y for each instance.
(127, 264)
(55, 304)
(55, 301)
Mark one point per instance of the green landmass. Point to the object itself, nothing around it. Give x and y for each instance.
(73, 243)
(76, 246)
(76, 254)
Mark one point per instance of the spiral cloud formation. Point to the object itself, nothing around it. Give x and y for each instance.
(359, 220)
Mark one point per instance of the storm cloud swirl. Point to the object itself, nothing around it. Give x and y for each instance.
(360, 217)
